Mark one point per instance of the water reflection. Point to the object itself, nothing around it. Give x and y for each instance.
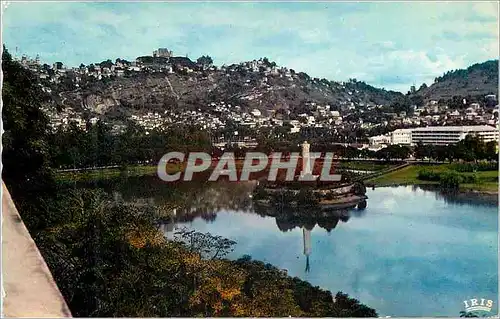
(412, 252)
(456, 197)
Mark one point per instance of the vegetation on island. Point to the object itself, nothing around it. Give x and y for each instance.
(110, 259)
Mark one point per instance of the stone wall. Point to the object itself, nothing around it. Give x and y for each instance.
(30, 289)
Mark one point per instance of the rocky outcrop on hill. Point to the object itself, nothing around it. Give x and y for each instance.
(260, 88)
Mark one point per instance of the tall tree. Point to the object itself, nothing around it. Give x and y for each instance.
(25, 148)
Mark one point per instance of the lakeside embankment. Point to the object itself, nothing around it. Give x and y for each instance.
(487, 181)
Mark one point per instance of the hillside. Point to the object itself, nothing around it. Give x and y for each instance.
(255, 84)
(477, 80)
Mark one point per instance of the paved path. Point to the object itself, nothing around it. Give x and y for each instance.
(30, 290)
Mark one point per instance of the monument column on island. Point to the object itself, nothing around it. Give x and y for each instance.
(306, 163)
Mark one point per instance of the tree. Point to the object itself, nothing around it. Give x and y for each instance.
(491, 152)
(106, 64)
(423, 87)
(25, 149)
(205, 244)
(205, 61)
(421, 151)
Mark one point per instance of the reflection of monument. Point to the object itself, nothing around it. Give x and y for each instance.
(169, 227)
(306, 233)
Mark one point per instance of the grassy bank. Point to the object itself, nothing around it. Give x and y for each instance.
(487, 180)
(110, 173)
(364, 166)
(140, 170)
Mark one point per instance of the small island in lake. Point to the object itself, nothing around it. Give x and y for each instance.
(310, 192)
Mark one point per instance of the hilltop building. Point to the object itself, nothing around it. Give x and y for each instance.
(162, 53)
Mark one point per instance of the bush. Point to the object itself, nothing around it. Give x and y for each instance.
(469, 179)
(359, 189)
(426, 175)
(305, 197)
(474, 167)
(260, 193)
(450, 180)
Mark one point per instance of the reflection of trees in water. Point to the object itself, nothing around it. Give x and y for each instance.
(213, 198)
(286, 223)
(290, 218)
(461, 198)
(186, 201)
(190, 200)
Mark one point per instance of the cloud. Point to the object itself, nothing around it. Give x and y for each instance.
(386, 44)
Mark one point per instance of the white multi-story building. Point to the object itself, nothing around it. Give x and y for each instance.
(401, 137)
(436, 135)
(444, 135)
(379, 140)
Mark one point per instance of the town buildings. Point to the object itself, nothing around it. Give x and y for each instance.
(401, 137)
(260, 80)
(435, 135)
(444, 135)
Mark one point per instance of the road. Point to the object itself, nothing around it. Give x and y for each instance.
(408, 161)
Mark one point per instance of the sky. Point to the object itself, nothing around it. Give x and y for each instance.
(392, 45)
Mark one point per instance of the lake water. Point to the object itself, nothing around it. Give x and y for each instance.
(411, 252)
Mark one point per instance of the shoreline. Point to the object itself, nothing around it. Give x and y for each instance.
(148, 170)
(463, 191)
(486, 185)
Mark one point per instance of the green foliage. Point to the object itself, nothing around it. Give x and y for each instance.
(474, 167)
(106, 64)
(447, 179)
(306, 198)
(427, 175)
(471, 148)
(359, 188)
(25, 145)
(111, 260)
(450, 180)
(207, 245)
(260, 193)
(393, 152)
(205, 60)
(489, 68)
(98, 146)
(312, 301)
